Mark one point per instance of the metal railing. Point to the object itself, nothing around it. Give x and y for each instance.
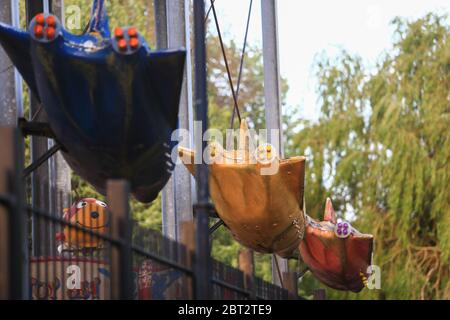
(103, 255)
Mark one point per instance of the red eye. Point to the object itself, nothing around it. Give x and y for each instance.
(40, 19)
(118, 33)
(51, 21)
(134, 43)
(38, 31)
(50, 33)
(132, 32)
(122, 44)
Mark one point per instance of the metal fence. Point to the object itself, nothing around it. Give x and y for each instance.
(97, 252)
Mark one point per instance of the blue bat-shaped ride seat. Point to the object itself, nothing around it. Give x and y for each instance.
(111, 102)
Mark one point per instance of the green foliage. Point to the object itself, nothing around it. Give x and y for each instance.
(136, 13)
(381, 150)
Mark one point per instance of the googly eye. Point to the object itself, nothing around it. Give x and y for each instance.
(102, 204)
(265, 153)
(81, 204)
(343, 229)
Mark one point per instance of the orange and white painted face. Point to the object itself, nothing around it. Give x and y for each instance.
(87, 213)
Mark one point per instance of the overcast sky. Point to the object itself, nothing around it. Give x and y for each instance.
(307, 28)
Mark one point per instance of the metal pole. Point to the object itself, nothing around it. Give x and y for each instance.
(8, 115)
(40, 179)
(290, 280)
(177, 200)
(247, 266)
(118, 196)
(160, 9)
(187, 236)
(168, 206)
(203, 261)
(272, 94)
(15, 13)
(59, 171)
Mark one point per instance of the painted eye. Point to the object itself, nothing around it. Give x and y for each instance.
(101, 204)
(81, 204)
(343, 229)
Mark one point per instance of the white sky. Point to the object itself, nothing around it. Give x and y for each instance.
(307, 28)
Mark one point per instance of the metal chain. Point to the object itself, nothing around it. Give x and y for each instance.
(208, 12)
(230, 80)
(238, 88)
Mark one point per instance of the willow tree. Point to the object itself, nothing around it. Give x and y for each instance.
(381, 149)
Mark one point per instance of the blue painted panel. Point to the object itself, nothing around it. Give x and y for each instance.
(112, 109)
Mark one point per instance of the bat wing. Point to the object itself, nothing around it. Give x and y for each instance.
(16, 44)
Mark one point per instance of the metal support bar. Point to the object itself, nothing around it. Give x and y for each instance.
(43, 242)
(160, 8)
(177, 194)
(216, 226)
(272, 92)
(203, 261)
(18, 82)
(188, 240)
(210, 209)
(118, 196)
(38, 162)
(36, 128)
(272, 97)
(290, 281)
(58, 10)
(60, 183)
(247, 266)
(168, 206)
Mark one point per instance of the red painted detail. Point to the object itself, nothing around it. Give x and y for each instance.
(134, 43)
(50, 33)
(122, 44)
(38, 31)
(132, 32)
(118, 33)
(40, 19)
(51, 21)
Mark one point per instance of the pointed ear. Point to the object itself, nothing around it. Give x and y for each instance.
(243, 136)
(329, 214)
(66, 213)
(187, 156)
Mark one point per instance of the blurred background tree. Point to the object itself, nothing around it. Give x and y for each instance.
(380, 148)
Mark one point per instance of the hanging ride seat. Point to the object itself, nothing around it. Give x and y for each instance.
(259, 197)
(111, 101)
